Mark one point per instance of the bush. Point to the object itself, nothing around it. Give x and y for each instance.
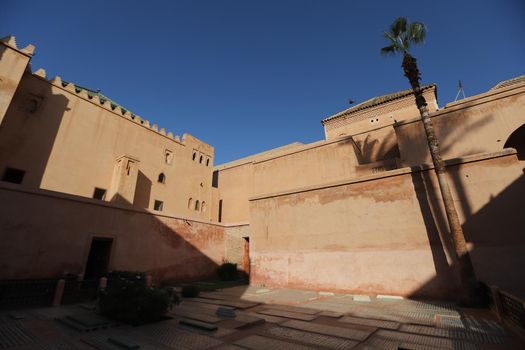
(227, 271)
(190, 291)
(130, 301)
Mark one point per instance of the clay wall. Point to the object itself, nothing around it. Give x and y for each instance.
(386, 233)
(70, 143)
(47, 234)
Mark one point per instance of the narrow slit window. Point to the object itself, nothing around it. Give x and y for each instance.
(190, 202)
(12, 175)
(208, 162)
(197, 205)
(162, 178)
(203, 207)
(200, 159)
(158, 205)
(99, 193)
(194, 156)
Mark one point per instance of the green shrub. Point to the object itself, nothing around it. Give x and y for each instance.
(227, 271)
(190, 291)
(130, 301)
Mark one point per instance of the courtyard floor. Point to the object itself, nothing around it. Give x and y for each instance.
(258, 318)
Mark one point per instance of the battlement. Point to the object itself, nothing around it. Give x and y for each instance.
(10, 41)
(109, 105)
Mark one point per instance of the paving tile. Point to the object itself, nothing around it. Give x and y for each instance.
(311, 338)
(14, 334)
(267, 318)
(287, 314)
(167, 334)
(347, 333)
(370, 322)
(258, 342)
(195, 315)
(238, 304)
(435, 342)
(361, 298)
(471, 336)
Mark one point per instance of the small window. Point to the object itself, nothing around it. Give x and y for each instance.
(158, 205)
(200, 159)
(208, 162)
(168, 157)
(162, 178)
(99, 193)
(203, 207)
(190, 202)
(13, 175)
(197, 205)
(194, 155)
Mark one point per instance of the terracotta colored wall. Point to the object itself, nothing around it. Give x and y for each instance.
(234, 243)
(381, 233)
(70, 144)
(479, 124)
(46, 234)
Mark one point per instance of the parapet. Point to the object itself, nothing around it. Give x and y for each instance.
(10, 41)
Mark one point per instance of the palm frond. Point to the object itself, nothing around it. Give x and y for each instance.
(389, 37)
(398, 26)
(389, 50)
(416, 32)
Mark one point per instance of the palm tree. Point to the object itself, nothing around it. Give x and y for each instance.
(401, 37)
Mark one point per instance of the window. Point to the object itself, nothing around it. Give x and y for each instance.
(158, 205)
(197, 205)
(13, 175)
(208, 162)
(200, 159)
(203, 207)
(190, 202)
(194, 156)
(168, 157)
(162, 178)
(99, 193)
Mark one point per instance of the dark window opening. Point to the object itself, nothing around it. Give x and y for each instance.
(158, 205)
(162, 178)
(98, 259)
(99, 193)
(194, 156)
(200, 159)
(220, 211)
(517, 141)
(197, 205)
(208, 162)
(215, 179)
(13, 175)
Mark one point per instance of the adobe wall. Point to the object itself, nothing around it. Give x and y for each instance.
(234, 236)
(45, 234)
(383, 233)
(71, 142)
(478, 124)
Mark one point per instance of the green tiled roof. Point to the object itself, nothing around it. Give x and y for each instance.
(376, 101)
(505, 83)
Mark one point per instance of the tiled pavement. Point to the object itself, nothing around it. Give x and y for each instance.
(267, 319)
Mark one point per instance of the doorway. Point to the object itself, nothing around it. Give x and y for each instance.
(246, 256)
(98, 258)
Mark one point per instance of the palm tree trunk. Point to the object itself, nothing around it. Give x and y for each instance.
(468, 281)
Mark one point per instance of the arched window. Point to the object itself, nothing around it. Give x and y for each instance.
(516, 140)
(203, 207)
(200, 159)
(162, 178)
(197, 205)
(194, 156)
(190, 202)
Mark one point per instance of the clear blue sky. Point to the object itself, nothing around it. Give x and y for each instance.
(247, 76)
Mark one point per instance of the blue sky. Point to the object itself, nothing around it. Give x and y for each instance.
(247, 76)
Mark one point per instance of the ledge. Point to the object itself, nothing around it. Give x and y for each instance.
(389, 173)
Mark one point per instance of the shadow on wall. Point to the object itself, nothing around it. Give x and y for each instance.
(47, 234)
(31, 113)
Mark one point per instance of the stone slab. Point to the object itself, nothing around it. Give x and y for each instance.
(326, 294)
(347, 333)
(267, 318)
(237, 303)
(257, 342)
(333, 314)
(167, 334)
(90, 320)
(370, 322)
(261, 291)
(198, 324)
(195, 315)
(314, 339)
(297, 309)
(389, 297)
(124, 342)
(287, 314)
(361, 298)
